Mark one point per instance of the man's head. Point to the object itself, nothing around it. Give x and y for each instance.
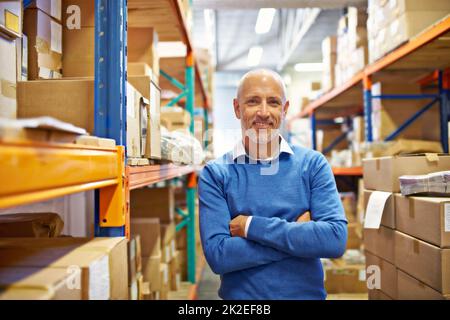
(261, 103)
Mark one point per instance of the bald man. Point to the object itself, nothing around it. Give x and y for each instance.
(269, 210)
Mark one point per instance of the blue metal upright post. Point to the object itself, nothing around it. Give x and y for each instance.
(110, 82)
(191, 185)
(313, 131)
(444, 109)
(367, 83)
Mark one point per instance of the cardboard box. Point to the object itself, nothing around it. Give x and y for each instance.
(137, 239)
(137, 122)
(139, 69)
(183, 263)
(402, 146)
(175, 118)
(11, 18)
(345, 279)
(388, 217)
(79, 51)
(60, 284)
(380, 242)
(131, 249)
(153, 202)
(413, 289)
(382, 173)
(25, 294)
(45, 45)
(8, 83)
(94, 266)
(164, 275)
(378, 295)
(149, 232)
(326, 137)
(425, 218)
(150, 91)
(354, 239)
(174, 272)
(51, 8)
(115, 248)
(388, 275)
(37, 225)
(86, 8)
(143, 47)
(151, 272)
(423, 261)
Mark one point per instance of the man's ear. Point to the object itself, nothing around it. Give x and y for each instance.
(286, 107)
(237, 110)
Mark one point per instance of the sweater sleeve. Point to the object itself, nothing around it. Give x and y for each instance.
(223, 252)
(323, 237)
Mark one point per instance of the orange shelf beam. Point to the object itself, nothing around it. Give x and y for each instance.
(141, 176)
(355, 171)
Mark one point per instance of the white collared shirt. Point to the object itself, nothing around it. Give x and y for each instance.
(239, 150)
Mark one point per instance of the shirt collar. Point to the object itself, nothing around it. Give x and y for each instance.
(239, 149)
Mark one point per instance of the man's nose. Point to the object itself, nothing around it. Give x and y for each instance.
(263, 110)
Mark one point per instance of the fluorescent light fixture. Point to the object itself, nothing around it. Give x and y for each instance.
(264, 21)
(254, 56)
(171, 49)
(308, 67)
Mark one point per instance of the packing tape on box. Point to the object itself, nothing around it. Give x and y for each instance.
(8, 89)
(416, 246)
(447, 217)
(411, 208)
(378, 164)
(432, 157)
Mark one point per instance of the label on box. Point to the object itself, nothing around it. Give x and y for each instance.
(12, 21)
(375, 208)
(130, 101)
(55, 10)
(45, 73)
(56, 37)
(447, 217)
(99, 279)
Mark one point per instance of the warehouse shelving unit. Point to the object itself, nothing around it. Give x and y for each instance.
(112, 20)
(428, 52)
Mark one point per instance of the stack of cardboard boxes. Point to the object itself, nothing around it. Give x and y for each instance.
(152, 211)
(329, 48)
(406, 238)
(393, 22)
(352, 55)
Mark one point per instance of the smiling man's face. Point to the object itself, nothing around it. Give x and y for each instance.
(261, 104)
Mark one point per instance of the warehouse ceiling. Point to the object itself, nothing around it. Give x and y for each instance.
(295, 36)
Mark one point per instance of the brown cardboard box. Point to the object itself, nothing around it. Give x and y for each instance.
(45, 45)
(36, 225)
(174, 272)
(327, 137)
(388, 217)
(423, 261)
(378, 295)
(149, 232)
(153, 202)
(137, 124)
(402, 146)
(25, 294)
(425, 218)
(131, 261)
(143, 46)
(413, 289)
(381, 242)
(167, 235)
(183, 263)
(382, 173)
(87, 10)
(59, 283)
(94, 267)
(8, 83)
(175, 118)
(388, 275)
(354, 239)
(345, 279)
(139, 69)
(137, 239)
(150, 271)
(51, 8)
(115, 248)
(164, 274)
(79, 52)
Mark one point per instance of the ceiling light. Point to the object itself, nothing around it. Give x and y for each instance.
(264, 21)
(308, 67)
(254, 56)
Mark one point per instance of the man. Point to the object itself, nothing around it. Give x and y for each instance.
(249, 207)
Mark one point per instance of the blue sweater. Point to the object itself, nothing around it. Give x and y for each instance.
(280, 258)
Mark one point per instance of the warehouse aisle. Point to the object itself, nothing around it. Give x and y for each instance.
(208, 285)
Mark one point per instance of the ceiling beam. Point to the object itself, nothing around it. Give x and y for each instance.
(257, 4)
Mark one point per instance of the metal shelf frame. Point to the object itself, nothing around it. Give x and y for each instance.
(110, 116)
(441, 75)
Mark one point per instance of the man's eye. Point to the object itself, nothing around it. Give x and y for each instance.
(274, 102)
(252, 101)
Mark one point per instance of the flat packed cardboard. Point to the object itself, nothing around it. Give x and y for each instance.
(149, 232)
(388, 274)
(45, 45)
(59, 283)
(153, 202)
(167, 232)
(382, 173)
(423, 261)
(36, 225)
(403, 146)
(50, 7)
(380, 242)
(151, 273)
(175, 118)
(413, 289)
(425, 218)
(174, 272)
(388, 217)
(8, 83)
(94, 267)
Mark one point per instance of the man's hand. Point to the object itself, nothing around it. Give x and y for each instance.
(237, 226)
(304, 217)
